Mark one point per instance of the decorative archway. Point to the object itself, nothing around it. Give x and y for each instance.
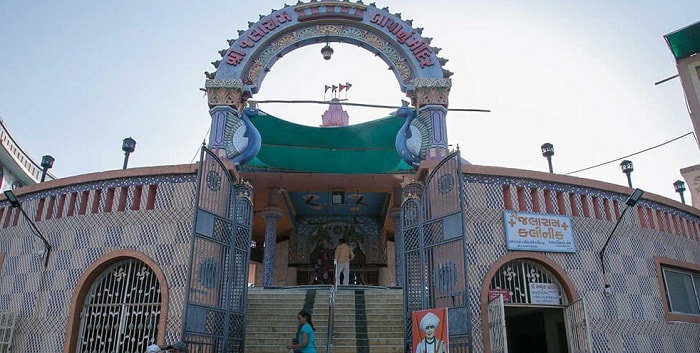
(93, 274)
(560, 275)
(414, 62)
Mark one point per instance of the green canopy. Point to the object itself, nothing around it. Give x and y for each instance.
(684, 42)
(366, 148)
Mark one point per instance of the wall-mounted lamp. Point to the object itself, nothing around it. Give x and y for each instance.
(627, 168)
(128, 146)
(14, 202)
(548, 152)
(679, 185)
(631, 202)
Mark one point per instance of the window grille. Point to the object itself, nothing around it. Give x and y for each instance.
(517, 275)
(121, 311)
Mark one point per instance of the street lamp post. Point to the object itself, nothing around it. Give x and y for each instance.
(548, 152)
(679, 185)
(631, 201)
(46, 164)
(14, 202)
(627, 168)
(128, 146)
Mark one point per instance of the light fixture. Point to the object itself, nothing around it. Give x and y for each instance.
(46, 164)
(631, 201)
(634, 198)
(128, 146)
(548, 152)
(627, 168)
(10, 196)
(14, 202)
(327, 51)
(337, 197)
(679, 185)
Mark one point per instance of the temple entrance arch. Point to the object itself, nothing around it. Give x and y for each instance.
(243, 66)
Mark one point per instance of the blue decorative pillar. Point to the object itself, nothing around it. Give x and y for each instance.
(431, 100)
(271, 214)
(225, 97)
(219, 114)
(395, 215)
(410, 190)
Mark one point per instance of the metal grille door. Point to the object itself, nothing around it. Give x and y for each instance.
(7, 326)
(218, 278)
(121, 312)
(435, 253)
(577, 328)
(497, 325)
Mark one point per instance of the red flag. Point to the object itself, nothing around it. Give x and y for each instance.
(347, 85)
(334, 88)
(326, 90)
(340, 87)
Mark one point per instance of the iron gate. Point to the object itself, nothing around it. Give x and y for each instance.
(497, 325)
(435, 267)
(220, 252)
(577, 327)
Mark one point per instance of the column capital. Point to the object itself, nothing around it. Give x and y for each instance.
(433, 91)
(229, 92)
(271, 212)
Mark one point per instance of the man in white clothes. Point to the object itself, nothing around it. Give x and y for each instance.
(343, 256)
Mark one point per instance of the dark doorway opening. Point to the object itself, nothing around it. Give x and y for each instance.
(535, 330)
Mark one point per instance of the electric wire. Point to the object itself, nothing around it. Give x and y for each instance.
(633, 154)
(367, 105)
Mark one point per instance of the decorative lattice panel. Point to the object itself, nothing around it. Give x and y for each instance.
(41, 298)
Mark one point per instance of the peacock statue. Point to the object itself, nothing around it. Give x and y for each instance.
(242, 140)
(411, 140)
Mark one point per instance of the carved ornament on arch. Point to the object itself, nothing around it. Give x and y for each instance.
(267, 56)
(432, 92)
(225, 92)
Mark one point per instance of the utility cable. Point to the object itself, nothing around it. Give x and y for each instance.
(633, 154)
(368, 105)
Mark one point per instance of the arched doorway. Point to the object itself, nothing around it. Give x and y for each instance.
(530, 305)
(121, 311)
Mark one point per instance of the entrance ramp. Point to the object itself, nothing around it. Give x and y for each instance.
(367, 319)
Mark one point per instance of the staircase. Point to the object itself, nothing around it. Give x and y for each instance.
(367, 319)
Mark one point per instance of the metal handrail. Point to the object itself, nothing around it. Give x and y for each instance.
(331, 310)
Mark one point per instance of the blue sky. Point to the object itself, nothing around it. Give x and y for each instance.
(76, 77)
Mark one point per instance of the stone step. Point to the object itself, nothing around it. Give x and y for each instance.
(271, 319)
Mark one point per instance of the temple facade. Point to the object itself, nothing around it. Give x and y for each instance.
(520, 260)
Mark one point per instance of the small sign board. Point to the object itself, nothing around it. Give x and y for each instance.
(538, 232)
(494, 292)
(544, 293)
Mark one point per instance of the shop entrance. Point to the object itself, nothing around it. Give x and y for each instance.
(535, 330)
